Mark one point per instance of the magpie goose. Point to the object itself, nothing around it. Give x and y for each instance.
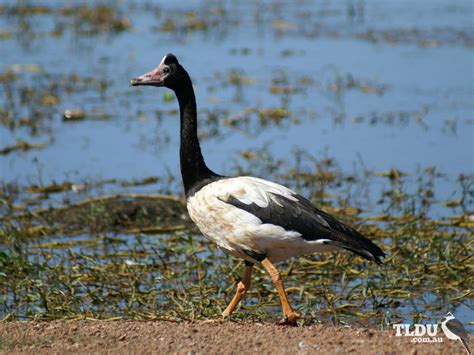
(453, 329)
(247, 217)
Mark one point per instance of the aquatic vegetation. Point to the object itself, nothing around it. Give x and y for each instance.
(138, 256)
(81, 19)
(100, 18)
(21, 146)
(432, 38)
(32, 97)
(179, 22)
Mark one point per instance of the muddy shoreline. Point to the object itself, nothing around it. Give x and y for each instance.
(206, 337)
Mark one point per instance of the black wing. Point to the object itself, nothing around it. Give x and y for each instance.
(457, 328)
(312, 223)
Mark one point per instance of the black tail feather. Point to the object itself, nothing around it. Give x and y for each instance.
(367, 249)
(466, 345)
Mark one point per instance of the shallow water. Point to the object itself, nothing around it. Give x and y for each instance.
(434, 81)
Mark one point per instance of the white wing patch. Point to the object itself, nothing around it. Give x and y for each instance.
(235, 230)
(250, 190)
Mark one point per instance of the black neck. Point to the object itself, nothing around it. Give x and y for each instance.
(194, 171)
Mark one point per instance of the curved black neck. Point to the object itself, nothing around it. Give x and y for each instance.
(194, 171)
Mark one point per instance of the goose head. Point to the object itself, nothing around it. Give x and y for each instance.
(169, 73)
(447, 317)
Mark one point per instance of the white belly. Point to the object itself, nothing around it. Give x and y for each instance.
(235, 230)
(222, 223)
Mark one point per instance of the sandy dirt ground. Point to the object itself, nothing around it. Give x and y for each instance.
(205, 338)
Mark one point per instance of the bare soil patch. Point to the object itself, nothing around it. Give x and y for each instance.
(206, 338)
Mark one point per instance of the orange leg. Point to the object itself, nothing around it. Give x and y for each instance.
(242, 288)
(290, 315)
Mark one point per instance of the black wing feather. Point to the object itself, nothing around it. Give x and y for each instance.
(312, 223)
(457, 328)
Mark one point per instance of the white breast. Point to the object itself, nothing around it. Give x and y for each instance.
(235, 230)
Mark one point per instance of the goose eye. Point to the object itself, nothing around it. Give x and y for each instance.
(166, 70)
